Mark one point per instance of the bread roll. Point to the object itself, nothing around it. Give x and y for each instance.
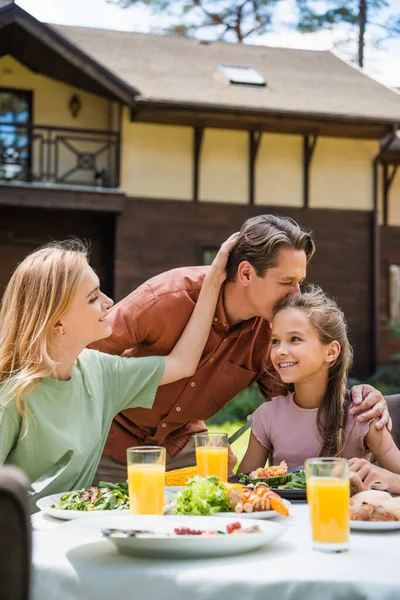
(393, 506)
(356, 485)
(374, 497)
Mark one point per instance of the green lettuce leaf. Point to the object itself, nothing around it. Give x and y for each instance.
(202, 496)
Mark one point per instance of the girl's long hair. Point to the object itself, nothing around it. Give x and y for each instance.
(329, 322)
(39, 292)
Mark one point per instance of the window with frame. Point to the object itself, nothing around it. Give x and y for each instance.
(15, 138)
(209, 254)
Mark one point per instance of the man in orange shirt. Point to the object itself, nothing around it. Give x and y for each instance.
(267, 263)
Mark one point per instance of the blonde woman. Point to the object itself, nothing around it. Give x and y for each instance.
(57, 395)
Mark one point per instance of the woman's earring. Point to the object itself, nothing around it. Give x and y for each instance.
(63, 331)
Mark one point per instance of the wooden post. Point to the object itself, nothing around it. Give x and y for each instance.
(254, 144)
(197, 144)
(308, 151)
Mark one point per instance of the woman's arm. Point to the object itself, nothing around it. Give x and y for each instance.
(382, 445)
(256, 456)
(184, 358)
(373, 476)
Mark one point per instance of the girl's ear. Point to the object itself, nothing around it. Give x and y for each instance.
(245, 273)
(59, 329)
(333, 351)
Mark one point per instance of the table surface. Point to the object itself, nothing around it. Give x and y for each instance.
(71, 567)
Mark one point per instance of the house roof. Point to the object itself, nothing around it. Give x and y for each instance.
(43, 50)
(178, 70)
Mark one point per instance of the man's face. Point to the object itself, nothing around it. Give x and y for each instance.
(263, 293)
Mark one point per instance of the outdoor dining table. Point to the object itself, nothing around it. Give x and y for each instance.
(67, 566)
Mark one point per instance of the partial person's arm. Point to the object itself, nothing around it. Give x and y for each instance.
(184, 358)
(382, 445)
(376, 477)
(370, 404)
(256, 456)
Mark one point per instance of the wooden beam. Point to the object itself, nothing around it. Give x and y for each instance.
(308, 151)
(254, 144)
(197, 144)
(44, 50)
(254, 121)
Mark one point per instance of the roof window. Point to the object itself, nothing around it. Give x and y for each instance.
(238, 75)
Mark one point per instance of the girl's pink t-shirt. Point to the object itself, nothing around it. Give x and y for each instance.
(290, 432)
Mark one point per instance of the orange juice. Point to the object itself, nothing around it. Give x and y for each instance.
(212, 461)
(146, 489)
(328, 499)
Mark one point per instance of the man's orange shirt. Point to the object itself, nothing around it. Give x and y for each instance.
(149, 322)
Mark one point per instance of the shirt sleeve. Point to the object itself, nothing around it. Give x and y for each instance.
(9, 432)
(131, 382)
(261, 425)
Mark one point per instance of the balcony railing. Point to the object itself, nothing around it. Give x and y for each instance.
(59, 155)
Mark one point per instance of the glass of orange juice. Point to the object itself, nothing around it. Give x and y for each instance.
(328, 495)
(212, 454)
(146, 476)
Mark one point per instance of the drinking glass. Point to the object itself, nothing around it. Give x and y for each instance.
(146, 477)
(328, 495)
(212, 454)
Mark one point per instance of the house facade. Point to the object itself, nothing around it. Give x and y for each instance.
(156, 148)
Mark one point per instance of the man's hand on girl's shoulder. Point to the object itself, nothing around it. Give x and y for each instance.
(370, 404)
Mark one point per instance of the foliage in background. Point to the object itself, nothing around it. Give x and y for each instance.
(239, 20)
(233, 20)
(315, 15)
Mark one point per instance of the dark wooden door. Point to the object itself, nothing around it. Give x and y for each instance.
(24, 229)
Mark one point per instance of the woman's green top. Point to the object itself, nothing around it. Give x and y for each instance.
(75, 414)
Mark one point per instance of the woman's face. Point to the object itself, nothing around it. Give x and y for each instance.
(296, 350)
(86, 320)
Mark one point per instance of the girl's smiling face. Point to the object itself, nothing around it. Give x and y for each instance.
(297, 353)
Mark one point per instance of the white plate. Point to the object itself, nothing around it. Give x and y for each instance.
(374, 525)
(185, 546)
(68, 515)
(262, 514)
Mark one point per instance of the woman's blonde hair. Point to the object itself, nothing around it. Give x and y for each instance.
(330, 324)
(39, 292)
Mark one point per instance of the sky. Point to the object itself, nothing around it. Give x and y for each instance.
(382, 63)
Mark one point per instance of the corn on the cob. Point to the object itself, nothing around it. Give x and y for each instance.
(180, 476)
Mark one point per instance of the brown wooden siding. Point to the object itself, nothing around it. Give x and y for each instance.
(154, 236)
(24, 229)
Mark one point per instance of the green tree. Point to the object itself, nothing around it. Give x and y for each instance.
(315, 15)
(234, 20)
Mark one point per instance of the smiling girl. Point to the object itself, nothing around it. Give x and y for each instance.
(57, 395)
(311, 353)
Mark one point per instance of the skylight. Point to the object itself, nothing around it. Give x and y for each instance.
(238, 75)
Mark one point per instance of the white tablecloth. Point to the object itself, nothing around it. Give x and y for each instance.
(69, 567)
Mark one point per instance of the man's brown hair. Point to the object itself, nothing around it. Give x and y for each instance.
(260, 240)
